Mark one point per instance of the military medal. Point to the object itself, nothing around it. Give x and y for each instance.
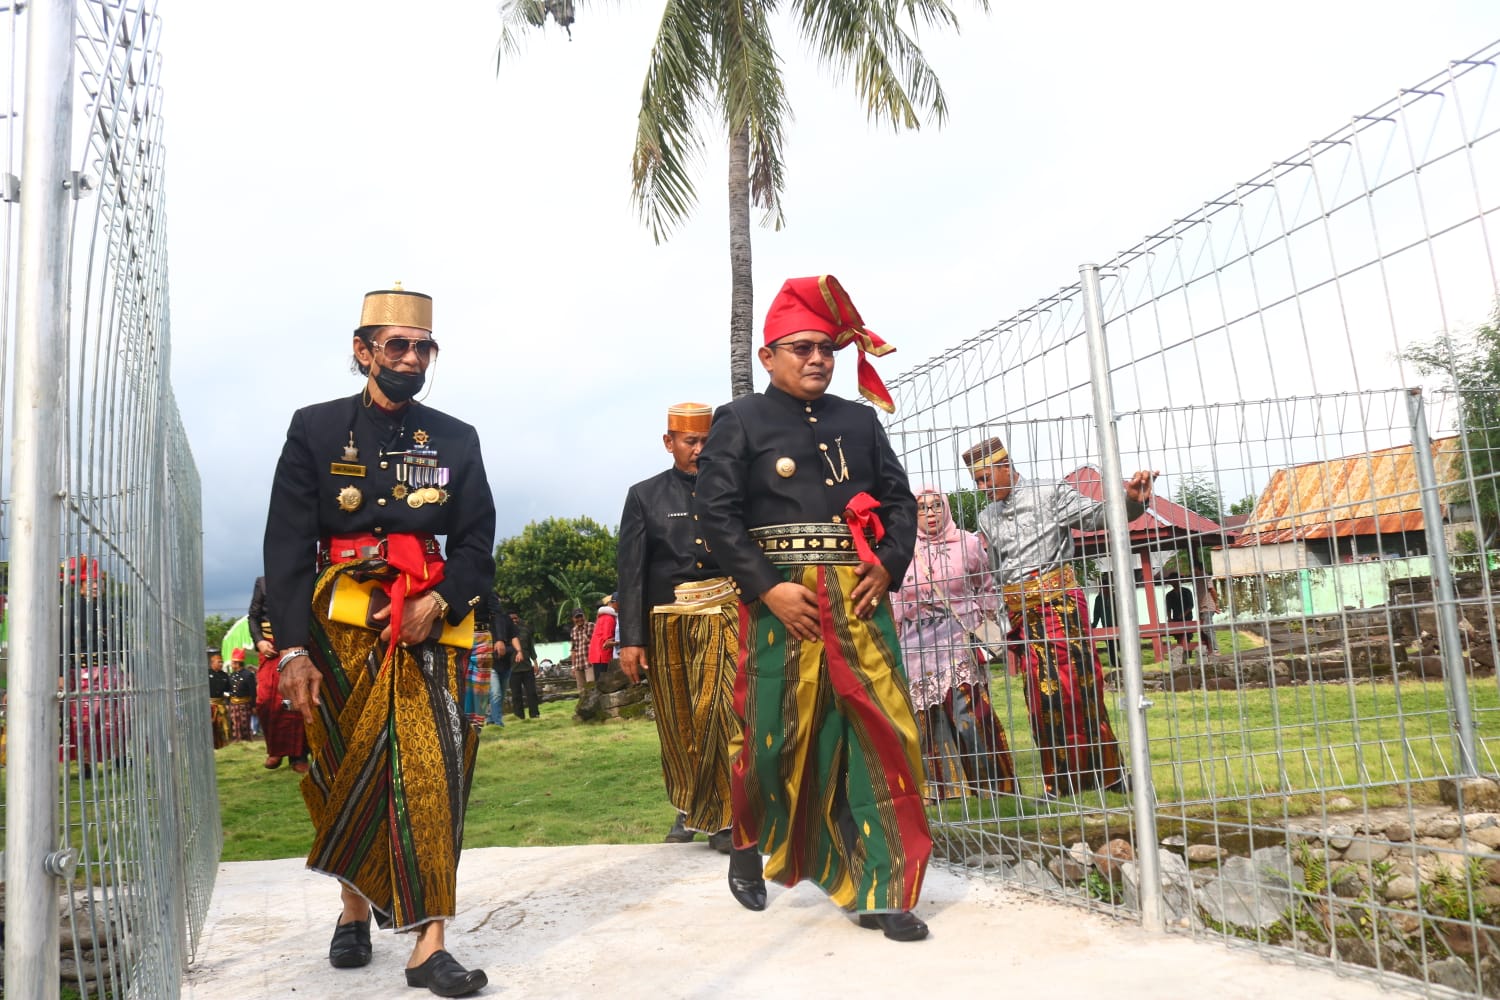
(399, 491)
(350, 465)
(785, 467)
(350, 498)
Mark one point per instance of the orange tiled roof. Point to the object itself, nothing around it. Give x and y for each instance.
(1369, 493)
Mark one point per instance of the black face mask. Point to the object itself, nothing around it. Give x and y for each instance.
(400, 386)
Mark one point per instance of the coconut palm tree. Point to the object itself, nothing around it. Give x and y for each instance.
(576, 594)
(714, 66)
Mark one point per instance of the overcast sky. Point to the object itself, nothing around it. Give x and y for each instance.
(329, 149)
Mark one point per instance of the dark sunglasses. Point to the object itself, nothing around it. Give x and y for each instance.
(804, 348)
(395, 348)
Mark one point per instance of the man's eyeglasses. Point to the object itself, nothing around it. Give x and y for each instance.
(395, 348)
(804, 348)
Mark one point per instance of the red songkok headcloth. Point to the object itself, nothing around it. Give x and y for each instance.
(820, 304)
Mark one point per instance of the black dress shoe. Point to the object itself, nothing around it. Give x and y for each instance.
(350, 948)
(723, 841)
(679, 834)
(442, 974)
(901, 926)
(746, 882)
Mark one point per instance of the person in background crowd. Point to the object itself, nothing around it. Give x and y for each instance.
(1028, 525)
(218, 696)
(1104, 617)
(505, 647)
(946, 594)
(578, 650)
(241, 696)
(480, 665)
(523, 696)
(364, 486)
(281, 726)
(804, 503)
(602, 641)
(1179, 604)
(679, 623)
(1208, 606)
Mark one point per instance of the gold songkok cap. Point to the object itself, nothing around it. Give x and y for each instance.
(691, 417)
(397, 307)
(985, 453)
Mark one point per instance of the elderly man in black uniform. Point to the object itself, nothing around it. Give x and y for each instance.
(363, 485)
(805, 504)
(679, 620)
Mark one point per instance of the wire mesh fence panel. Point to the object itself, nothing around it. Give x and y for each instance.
(1311, 363)
(136, 805)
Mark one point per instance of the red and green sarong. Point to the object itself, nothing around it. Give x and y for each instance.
(392, 758)
(1065, 693)
(829, 780)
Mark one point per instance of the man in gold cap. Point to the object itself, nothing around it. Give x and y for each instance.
(364, 486)
(806, 505)
(1029, 526)
(679, 625)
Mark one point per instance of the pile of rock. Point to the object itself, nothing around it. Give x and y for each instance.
(1414, 890)
(614, 697)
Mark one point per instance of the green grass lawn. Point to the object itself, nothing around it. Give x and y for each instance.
(1238, 753)
(546, 781)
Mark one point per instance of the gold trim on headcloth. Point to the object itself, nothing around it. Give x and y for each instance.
(396, 307)
(985, 454)
(689, 417)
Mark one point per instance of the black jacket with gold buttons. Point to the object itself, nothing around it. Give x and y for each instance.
(661, 545)
(348, 468)
(773, 459)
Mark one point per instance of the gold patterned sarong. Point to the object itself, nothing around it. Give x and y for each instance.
(392, 757)
(694, 647)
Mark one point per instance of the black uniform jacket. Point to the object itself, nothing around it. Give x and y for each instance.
(305, 502)
(739, 487)
(661, 545)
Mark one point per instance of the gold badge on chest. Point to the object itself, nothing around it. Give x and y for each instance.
(350, 499)
(785, 467)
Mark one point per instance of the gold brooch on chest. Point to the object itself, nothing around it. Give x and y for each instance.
(350, 499)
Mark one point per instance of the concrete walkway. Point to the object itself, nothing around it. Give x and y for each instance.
(657, 921)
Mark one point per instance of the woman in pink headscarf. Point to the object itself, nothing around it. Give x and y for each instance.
(946, 592)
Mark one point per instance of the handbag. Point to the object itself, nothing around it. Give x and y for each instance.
(356, 602)
(989, 635)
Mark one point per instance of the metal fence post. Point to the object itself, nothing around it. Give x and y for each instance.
(1445, 595)
(1142, 791)
(33, 856)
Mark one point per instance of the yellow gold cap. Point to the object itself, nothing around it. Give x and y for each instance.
(397, 307)
(691, 417)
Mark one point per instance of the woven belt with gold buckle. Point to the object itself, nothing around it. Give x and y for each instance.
(825, 544)
(700, 597)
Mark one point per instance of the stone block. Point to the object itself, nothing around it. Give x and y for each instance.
(1366, 852)
(1030, 874)
(1340, 836)
(1485, 836)
(1398, 831)
(1179, 905)
(1399, 888)
(1111, 856)
(1470, 794)
(1245, 896)
(1199, 854)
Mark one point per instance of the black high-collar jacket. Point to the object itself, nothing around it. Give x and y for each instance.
(661, 545)
(837, 449)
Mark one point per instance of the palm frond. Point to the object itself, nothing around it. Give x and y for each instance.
(751, 96)
(674, 100)
(517, 19)
(865, 40)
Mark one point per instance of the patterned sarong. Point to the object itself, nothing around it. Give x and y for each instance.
(477, 690)
(239, 717)
(964, 745)
(281, 727)
(219, 715)
(694, 645)
(392, 759)
(1065, 694)
(829, 782)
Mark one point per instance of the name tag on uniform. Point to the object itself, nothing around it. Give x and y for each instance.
(678, 514)
(346, 469)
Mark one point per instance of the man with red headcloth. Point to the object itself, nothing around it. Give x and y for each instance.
(806, 506)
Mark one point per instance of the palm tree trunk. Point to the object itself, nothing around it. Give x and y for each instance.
(741, 290)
